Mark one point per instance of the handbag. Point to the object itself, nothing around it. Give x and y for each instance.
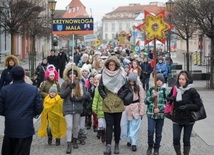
(200, 114)
(168, 111)
(128, 98)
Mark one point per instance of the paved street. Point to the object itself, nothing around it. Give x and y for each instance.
(202, 138)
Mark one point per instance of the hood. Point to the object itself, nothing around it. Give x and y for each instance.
(113, 58)
(13, 57)
(70, 67)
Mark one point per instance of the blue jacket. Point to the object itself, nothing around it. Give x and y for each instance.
(19, 103)
(162, 68)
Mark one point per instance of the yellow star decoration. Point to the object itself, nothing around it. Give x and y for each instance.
(154, 27)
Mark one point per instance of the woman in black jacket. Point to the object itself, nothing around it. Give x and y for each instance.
(186, 100)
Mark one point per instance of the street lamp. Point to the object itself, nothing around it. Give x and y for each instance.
(169, 8)
(52, 5)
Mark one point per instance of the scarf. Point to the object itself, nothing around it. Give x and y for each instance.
(114, 80)
(181, 90)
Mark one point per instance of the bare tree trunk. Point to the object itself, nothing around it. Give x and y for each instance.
(212, 64)
(12, 43)
(33, 55)
(187, 54)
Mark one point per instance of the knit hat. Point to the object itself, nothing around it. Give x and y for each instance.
(133, 76)
(126, 66)
(160, 76)
(85, 67)
(74, 72)
(17, 73)
(53, 88)
(44, 58)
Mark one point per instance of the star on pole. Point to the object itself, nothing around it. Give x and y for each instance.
(154, 27)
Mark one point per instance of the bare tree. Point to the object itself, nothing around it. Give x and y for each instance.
(203, 14)
(14, 14)
(184, 25)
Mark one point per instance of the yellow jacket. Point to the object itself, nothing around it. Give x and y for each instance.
(52, 116)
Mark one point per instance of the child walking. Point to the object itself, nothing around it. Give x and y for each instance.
(155, 115)
(97, 108)
(52, 117)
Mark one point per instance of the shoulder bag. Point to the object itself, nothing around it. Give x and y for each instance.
(200, 114)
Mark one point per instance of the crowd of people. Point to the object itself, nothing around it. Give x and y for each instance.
(99, 90)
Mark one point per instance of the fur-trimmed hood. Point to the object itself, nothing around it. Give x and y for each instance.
(13, 57)
(112, 58)
(70, 67)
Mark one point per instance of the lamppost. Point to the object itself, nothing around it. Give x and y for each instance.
(169, 8)
(52, 5)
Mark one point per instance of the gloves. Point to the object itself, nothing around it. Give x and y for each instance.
(72, 86)
(170, 99)
(184, 107)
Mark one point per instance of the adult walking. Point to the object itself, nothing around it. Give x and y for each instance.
(186, 101)
(40, 72)
(112, 80)
(53, 59)
(9, 62)
(63, 59)
(19, 104)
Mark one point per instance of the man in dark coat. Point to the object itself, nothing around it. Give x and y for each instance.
(19, 104)
(53, 59)
(62, 62)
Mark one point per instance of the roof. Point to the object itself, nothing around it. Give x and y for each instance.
(74, 9)
(59, 13)
(131, 12)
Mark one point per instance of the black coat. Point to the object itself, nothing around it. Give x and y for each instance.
(54, 60)
(62, 59)
(6, 77)
(191, 98)
(146, 70)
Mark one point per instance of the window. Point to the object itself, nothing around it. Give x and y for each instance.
(127, 26)
(106, 36)
(120, 26)
(106, 26)
(113, 36)
(112, 27)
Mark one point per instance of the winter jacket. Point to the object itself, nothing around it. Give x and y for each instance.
(136, 110)
(19, 104)
(45, 86)
(54, 60)
(191, 98)
(146, 70)
(40, 72)
(6, 73)
(162, 68)
(69, 106)
(62, 59)
(161, 101)
(97, 105)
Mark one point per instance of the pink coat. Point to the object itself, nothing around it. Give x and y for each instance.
(137, 109)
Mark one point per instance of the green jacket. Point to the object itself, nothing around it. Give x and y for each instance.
(161, 98)
(112, 103)
(97, 105)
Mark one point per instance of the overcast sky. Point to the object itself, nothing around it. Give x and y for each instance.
(100, 7)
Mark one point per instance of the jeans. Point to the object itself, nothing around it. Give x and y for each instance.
(113, 119)
(177, 128)
(145, 84)
(155, 125)
(72, 122)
